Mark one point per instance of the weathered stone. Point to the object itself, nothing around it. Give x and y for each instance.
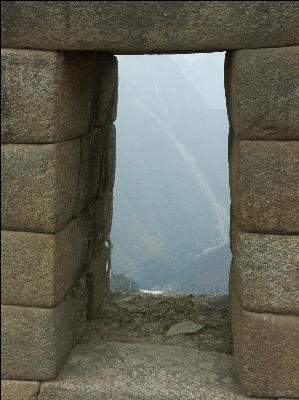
(183, 328)
(266, 272)
(109, 159)
(265, 186)
(79, 298)
(46, 96)
(39, 184)
(266, 351)
(118, 371)
(36, 341)
(262, 93)
(98, 274)
(90, 168)
(38, 269)
(100, 215)
(107, 86)
(148, 26)
(19, 390)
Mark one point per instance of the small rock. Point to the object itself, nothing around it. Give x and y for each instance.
(185, 327)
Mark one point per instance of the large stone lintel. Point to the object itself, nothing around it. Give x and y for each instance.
(138, 27)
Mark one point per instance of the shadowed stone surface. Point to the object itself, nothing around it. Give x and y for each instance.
(39, 269)
(266, 271)
(39, 184)
(262, 93)
(147, 26)
(91, 156)
(36, 341)
(19, 390)
(46, 97)
(109, 159)
(98, 273)
(265, 186)
(79, 297)
(266, 351)
(121, 371)
(107, 86)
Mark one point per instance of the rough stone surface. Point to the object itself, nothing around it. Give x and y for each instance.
(262, 93)
(266, 351)
(38, 269)
(46, 97)
(36, 341)
(265, 186)
(141, 371)
(90, 168)
(148, 26)
(79, 297)
(39, 184)
(109, 159)
(184, 328)
(19, 390)
(98, 273)
(135, 317)
(107, 86)
(266, 271)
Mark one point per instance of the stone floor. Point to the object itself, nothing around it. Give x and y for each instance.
(127, 354)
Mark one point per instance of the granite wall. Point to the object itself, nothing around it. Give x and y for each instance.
(59, 98)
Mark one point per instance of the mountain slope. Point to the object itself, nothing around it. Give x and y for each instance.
(171, 193)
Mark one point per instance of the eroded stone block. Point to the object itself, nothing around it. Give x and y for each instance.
(19, 390)
(91, 156)
(36, 341)
(265, 186)
(39, 185)
(100, 215)
(266, 351)
(46, 96)
(109, 161)
(266, 272)
(98, 274)
(107, 71)
(262, 93)
(39, 269)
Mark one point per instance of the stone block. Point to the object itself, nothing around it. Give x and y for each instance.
(262, 93)
(100, 215)
(36, 341)
(107, 86)
(19, 390)
(38, 269)
(46, 96)
(98, 274)
(143, 27)
(109, 160)
(90, 168)
(39, 185)
(266, 272)
(79, 298)
(266, 351)
(265, 186)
